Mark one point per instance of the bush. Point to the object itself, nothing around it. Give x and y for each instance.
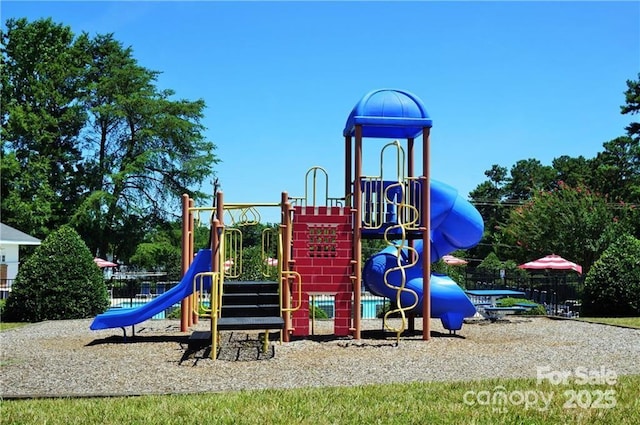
(316, 312)
(59, 281)
(612, 286)
(538, 310)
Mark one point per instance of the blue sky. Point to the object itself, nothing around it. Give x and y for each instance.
(502, 81)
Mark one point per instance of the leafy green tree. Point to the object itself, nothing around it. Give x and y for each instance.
(252, 265)
(489, 198)
(573, 222)
(612, 286)
(59, 281)
(573, 172)
(41, 122)
(161, 249)
(104, 148)
(148, 148)
(490, 264)
(456, 273)
(527, 177)
(617, 170)
(632, 106)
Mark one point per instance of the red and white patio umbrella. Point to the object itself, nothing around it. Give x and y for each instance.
(551, 262)
(228, 264)
(453, 261)
(102, 263)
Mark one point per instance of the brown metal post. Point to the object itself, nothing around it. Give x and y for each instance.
(348, 193)
(191, 298)
(411, 173)
(220, 207)
(215, 245)
(215, 267)
(410, 157)
(194, 296)
(186, 259)
(357, 236)
(216, 264)
(426, 236)
(285, 293)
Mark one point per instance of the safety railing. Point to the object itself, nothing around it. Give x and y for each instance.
(293, 277)
(207, 302)
(310, 197)
(269, 264)
(232, 253)
(385, 202)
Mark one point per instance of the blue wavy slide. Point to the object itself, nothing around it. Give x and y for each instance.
(121, 317)
(455, 224)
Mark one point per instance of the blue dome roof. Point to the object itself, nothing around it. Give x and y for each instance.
(388, 113)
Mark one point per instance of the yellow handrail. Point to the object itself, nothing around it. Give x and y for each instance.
(198, 288)
(231, 262)
(286, 275)
(400, 160)
(267, 269)
(315, 170)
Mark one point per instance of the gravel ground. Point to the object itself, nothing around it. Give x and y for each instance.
(65, 358)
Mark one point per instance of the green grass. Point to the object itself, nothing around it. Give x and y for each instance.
(416, 403)
(5, 326)
(632, 322)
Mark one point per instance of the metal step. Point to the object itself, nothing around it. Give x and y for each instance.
(239, 287)
(250, 298)
(250, 310)
(199, 339)
(250, 323)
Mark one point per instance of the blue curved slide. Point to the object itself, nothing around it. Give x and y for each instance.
(455, 224)
(121, 317)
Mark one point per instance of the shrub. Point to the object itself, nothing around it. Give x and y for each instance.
(538, 310)
(612, 286)
(174, 313)
(316, 312)
(59, 281)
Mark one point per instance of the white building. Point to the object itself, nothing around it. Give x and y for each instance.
(10, 241)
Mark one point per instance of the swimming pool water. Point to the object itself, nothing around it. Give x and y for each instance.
(370, 306)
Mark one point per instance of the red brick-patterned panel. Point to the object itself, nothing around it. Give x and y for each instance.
(322, 251)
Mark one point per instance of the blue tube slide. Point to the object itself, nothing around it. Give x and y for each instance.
(121, 317)
(455, 224)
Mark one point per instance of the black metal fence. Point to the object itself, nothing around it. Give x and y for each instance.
(559, 292)
(137, 288)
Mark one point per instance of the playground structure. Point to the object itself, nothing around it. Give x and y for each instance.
(319, 242)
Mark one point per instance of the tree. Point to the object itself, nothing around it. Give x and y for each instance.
(105, 149)
(632, 106)
(617, 170)
(573, 222)
(41, 122)
(527, 177)
(148, 148)
(59, 281)
(161, 249)
(612, 286)
(488, 197)
(573, 172)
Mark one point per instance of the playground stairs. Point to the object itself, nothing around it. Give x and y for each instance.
(246, 306)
